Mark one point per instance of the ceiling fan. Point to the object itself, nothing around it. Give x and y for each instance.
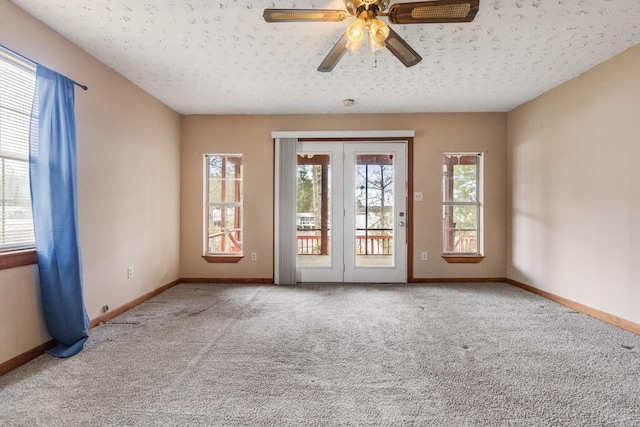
(379, 33)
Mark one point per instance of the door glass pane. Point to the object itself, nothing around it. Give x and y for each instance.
(374, 210)
(313, 210)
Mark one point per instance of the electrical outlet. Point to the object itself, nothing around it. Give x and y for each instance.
(417, 196)
(129, 272)
(254, 256)
(424, 256)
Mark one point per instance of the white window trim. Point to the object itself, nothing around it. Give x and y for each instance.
(207, 204)
(478, 203)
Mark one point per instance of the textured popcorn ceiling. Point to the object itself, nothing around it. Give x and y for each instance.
(220, 57)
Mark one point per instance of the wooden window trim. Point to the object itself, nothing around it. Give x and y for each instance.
(14, 259)
(463, 259)
(222, 259)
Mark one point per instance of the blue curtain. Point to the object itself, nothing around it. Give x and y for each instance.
(54, 197)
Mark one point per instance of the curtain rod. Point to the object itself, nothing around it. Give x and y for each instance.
(83, 87)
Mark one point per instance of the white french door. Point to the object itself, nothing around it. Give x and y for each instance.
(351, 212)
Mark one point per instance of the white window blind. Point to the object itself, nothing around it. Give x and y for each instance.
(17, 85)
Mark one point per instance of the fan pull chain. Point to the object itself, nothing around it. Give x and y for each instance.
(375, 59)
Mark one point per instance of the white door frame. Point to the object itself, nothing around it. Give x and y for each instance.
(391, 135)
(397, 272)
(334, 271)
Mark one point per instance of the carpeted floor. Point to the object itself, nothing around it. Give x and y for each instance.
(429, 355)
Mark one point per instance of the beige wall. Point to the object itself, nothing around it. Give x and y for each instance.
(128, 185)
(575, 192)
(251, 136)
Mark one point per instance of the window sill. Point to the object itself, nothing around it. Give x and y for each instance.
(463, 259)
(222, 259)
(17, 258)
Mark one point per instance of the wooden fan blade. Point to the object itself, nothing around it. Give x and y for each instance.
(304, 15)
(402, 50)
(434, 12)
(334, 55)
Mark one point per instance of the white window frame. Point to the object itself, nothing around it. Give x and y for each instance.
(25, 92)
(478, 203)
(238, 204)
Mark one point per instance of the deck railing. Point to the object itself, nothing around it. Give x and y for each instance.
(370, 245)
(462, 241)
(309, 244)
(465, 244)
(376, 245)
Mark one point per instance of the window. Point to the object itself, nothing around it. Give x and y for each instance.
(17, 85)
(462, 207)
(223, 205)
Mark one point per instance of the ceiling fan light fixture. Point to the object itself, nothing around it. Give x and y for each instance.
(378, 30)
(355, 31)
(355, 34)
(378, 33)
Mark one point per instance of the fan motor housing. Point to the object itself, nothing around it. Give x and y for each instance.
(353, 5)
